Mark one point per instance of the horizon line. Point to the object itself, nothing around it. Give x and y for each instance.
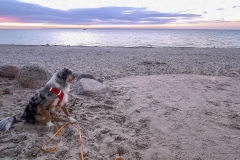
(123, 28)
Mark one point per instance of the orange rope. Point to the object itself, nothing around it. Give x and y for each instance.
(59, 132)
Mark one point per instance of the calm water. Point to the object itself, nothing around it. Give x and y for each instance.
(123, 37)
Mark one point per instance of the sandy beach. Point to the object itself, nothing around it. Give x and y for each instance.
(167, 103)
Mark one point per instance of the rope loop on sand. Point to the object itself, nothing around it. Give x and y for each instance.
(58, 131)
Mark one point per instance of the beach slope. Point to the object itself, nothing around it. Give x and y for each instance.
(166, 103)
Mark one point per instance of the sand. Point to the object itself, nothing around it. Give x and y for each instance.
(167, 103)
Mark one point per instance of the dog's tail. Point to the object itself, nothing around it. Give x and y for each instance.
(7, 123)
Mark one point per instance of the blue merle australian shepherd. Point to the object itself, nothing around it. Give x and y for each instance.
(53, 94)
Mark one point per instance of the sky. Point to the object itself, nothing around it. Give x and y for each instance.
(154, 14)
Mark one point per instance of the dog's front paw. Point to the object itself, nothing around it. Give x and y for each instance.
(72, 119)
(49, 124)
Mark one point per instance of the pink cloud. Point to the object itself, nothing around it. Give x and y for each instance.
(7, 19)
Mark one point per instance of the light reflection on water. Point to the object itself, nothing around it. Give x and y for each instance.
(123, 37)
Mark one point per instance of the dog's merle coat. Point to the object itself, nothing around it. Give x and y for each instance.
(43, 98)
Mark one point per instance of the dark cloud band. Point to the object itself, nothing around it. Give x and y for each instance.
(32, 13)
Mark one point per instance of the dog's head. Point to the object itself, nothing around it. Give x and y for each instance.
(65, 75)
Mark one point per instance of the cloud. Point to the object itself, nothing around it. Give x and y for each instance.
(32, 13)
(235, 6)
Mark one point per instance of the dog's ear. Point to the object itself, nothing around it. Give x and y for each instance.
(65, 72)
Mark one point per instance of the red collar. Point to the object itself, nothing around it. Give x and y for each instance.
(59, 93)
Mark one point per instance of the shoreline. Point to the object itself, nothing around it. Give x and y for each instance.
(61, 45)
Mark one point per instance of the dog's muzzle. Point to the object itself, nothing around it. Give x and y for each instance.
(70, 78)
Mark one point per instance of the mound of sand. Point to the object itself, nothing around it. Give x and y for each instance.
(8, 71)
(33, 76)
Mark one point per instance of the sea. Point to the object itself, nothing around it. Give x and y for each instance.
(197, 38)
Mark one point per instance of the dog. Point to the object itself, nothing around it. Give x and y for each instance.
(53, 95)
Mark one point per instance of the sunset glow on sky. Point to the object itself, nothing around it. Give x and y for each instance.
(165, 14)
